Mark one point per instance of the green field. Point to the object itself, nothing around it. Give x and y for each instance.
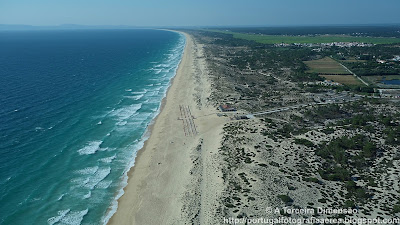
(325, 66)
(343, 79)
(276, 39)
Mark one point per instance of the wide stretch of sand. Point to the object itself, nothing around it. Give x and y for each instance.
(173, 179)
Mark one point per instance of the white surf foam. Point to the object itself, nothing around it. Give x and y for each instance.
(88, 170)
(100, 175)
(108, 159)
(56, 219)
(157, 71)
(104, 184)
(151, 93)
(90, 148)
(139, 92)
(87, 195)
(126, 112)
(104, 149)
(74, 217)
(137, 97)
(122, 123)
(61, 197)
(142, 117)
(81, 181)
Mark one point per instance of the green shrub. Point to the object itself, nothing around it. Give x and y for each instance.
(286, 199)
(304, 142)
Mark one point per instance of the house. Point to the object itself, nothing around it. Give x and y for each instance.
(396, 58)
(227, 108)
(381, 61)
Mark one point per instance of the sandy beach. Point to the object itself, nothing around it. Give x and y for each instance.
(175, 175)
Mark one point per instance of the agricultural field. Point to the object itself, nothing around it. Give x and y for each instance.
(325, 66)
(343, 79)
(276, 39)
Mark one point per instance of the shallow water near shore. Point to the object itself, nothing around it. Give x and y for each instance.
(75, 108)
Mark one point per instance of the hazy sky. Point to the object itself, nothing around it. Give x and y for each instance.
(199, 12)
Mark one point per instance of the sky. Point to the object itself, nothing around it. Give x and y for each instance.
(199, 12)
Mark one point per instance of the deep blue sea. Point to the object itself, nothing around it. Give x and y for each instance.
(74, 108)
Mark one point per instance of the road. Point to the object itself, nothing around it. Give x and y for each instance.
(300, 106)
(359, 78)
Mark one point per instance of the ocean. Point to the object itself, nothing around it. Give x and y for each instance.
(75, 105)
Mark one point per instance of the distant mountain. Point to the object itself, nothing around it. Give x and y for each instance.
(15, 27)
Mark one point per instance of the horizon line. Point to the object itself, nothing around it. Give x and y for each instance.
(83, 26)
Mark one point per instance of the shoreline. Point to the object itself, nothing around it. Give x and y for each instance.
(146, 135)
(176, 177)
(149, 131)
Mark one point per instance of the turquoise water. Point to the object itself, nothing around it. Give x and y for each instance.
(75, 106)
